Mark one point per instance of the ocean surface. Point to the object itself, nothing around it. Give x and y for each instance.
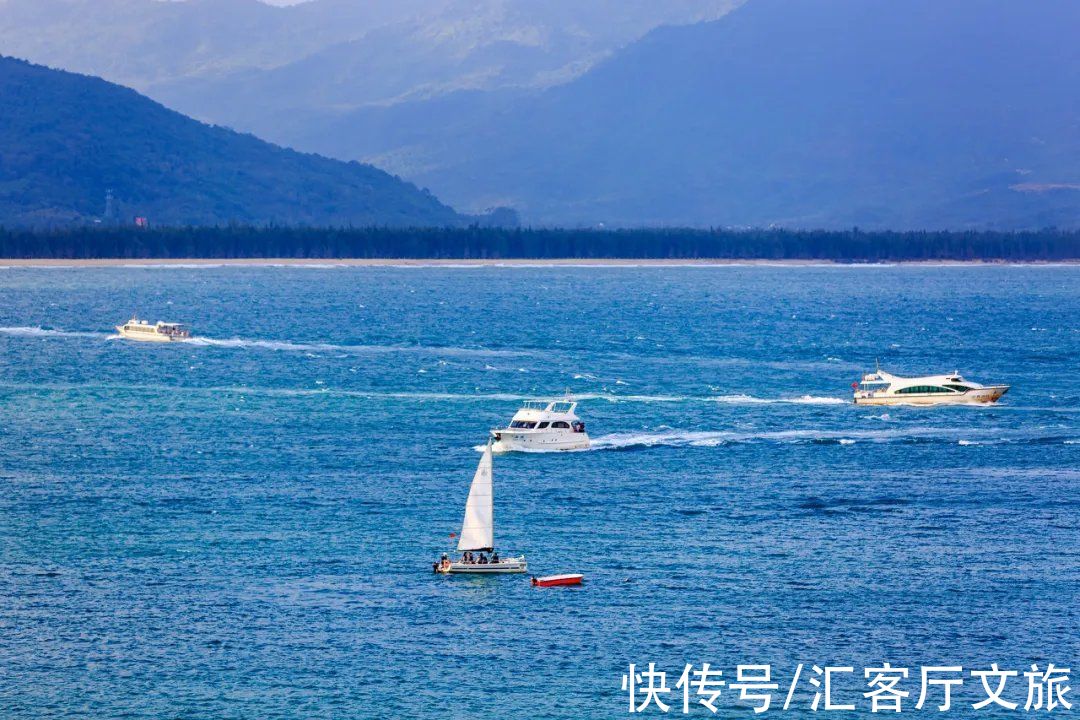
(243, 526)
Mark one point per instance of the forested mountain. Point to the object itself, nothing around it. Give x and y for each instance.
(809, 113)
(817, 113)
(66, 140)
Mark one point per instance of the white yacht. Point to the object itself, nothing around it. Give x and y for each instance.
(542, 425)
(882, 388)
(136, 329)
(478, 531)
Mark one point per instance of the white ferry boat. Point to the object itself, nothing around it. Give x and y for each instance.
(882, 388)
(477, 540)
(542, 425)
(136, 329)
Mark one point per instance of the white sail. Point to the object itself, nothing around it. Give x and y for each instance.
(477, 530)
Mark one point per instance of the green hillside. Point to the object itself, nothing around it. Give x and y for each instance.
(67, 139)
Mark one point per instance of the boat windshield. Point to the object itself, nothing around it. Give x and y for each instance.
(523, 424)
(562, 407)
(534, 405)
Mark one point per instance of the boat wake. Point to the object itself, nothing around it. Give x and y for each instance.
(706, 438)
(313, 347)
(285, 346)
(801, 400)
(25, 331)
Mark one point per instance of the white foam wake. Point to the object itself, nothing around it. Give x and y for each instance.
(611, 397)
(310, 347)
(710, 438)
(751, 400)
(283, 345)
(23, 331)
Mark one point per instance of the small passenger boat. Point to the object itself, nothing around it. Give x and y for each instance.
(882, 388)
(557, 580)
(478, 531)
(136, 329)
(542, 425)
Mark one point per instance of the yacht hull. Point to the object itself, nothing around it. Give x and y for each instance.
(975, 396)
(144, 336)
(510, 566)
(537, 441)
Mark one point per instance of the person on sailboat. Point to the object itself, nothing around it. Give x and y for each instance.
(494, 556)
(483, 560)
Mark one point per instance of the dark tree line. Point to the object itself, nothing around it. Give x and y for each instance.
(498, 243)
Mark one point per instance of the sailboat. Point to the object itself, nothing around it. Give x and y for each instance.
(478, 531)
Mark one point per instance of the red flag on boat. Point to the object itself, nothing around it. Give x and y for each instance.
(854, 386)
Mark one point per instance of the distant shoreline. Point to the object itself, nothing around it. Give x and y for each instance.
(508, 262)
(477, 246)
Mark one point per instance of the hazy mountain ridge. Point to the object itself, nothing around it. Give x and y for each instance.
(66, 139)
(817, 113)
(139, 43)
(268, 69)
(827, 113)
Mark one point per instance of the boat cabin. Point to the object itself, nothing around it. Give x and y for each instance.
(547, 415)
(176, 330)
(881, 382)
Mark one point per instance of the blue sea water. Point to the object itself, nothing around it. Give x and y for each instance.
(243, 527)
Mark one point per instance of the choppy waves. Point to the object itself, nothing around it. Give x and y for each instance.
(420, 395)
(547, 353)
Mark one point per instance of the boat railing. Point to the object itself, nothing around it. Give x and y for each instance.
(557, 406)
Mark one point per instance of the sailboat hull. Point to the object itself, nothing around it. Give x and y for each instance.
(503, 567)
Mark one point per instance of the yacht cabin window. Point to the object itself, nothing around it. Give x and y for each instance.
(923, 389)
(560, 424)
